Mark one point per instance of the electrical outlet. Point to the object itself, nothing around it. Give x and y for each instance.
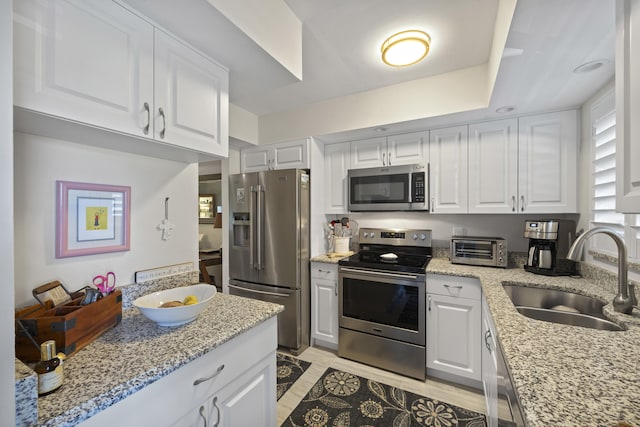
(458, 231)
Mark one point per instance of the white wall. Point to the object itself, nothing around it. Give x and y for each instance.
(40, 161)
(7, 352)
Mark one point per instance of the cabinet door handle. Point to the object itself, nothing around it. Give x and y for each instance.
(487, 335)
(146, 128)
(210, 377)
(429, 305)
(522, 203)
(389, 159)
(164, 122)
(453, 290)
(383, 159)
(513, 203)
(335, 288)
(215, 405)
(432, 203)
(204, 417)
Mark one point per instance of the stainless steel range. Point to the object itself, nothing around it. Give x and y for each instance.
(382, 301)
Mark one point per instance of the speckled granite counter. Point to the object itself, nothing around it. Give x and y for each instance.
(330, 258)
(564, 375)
(26, 395)
(137, 352)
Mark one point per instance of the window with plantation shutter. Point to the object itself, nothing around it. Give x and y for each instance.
(603, 207)
(603, 184)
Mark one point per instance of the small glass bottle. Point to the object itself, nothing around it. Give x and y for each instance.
(49, 368)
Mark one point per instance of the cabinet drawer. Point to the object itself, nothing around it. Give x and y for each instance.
(323, 270)
(161, 402)
(454, 286)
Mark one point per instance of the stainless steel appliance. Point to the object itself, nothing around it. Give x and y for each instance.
(391, 188)
(269, 247)
(486, 251)
(549, 243)
(382, 291)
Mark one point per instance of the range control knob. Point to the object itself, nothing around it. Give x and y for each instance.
(423, 237)
(415, 237)
(373, 235)
(365, 234)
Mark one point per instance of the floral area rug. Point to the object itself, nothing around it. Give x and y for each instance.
(341, 399)
(288, 371)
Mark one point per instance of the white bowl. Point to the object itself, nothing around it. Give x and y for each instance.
(149, 305)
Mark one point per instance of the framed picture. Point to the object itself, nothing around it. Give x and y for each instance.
(91, 218)
(206, 206)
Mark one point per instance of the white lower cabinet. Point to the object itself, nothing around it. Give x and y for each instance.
(324, 304)
(232, 385)
(489, 366)
(244, 402)
(453, 326)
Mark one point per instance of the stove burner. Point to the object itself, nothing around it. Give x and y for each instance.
(391, 250)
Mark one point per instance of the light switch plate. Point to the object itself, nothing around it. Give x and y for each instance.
(458, 231)
(160, 272)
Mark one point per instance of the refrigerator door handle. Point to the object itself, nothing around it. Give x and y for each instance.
(274, 294)
(252, 226)
(259, 225)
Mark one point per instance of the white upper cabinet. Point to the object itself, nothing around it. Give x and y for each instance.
(96, 63)
(547, 158)
(408, 148)
(190, 92)
(493, 166)
(448, 169)
(336, 167)
(394, 150)
(627, 106)
(524, 165)
(89, 61)
(369, 153)
(285, 155)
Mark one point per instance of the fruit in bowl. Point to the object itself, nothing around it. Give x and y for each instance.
(176, 306)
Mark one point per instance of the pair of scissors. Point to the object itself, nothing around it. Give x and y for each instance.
(105, 284)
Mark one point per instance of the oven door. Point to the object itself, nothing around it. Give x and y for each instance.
(387, 304)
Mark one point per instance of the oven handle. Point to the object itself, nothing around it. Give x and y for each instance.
(379, 273)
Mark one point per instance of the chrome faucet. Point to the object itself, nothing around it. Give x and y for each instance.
(626, 298)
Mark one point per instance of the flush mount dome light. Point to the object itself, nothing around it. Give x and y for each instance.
(405, 48)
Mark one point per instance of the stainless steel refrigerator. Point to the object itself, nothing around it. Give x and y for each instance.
(269, 247)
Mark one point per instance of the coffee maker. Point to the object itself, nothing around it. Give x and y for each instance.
(549, 242)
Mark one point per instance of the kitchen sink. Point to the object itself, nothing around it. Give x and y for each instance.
(563, 307)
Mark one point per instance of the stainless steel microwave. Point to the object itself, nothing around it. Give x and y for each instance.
(391, 188)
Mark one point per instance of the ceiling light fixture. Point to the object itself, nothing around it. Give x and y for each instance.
(505, 109)
(405, 48)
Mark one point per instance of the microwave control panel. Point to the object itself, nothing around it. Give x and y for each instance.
(418, 187)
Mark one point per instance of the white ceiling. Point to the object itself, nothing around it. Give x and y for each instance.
(341, 41)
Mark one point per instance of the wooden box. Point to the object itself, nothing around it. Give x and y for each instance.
(71, 325)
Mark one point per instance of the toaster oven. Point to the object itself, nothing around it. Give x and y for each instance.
(483, 251)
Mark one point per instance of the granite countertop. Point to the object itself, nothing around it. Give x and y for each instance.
(138, 352)
(330, 258)
(563, 375)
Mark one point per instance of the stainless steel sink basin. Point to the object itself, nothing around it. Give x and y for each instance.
(557, 306)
